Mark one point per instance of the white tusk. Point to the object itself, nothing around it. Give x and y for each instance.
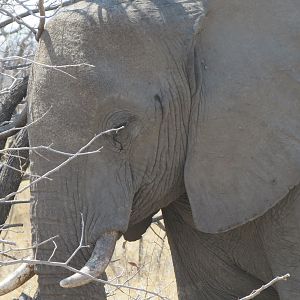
(16, 279)
(98, 262)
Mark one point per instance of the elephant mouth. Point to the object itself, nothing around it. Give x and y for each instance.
(92, 270)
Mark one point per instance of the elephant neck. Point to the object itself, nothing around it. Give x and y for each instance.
(214, 266)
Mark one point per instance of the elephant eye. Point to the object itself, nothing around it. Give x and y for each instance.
(117, 136)
(121, 139)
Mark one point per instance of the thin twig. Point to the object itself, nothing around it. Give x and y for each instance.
(65, 162)
(20, 66)
(74, 270)
(55, 67)
(11, 202)
(265, 286)
(80, 246)
(33, 11)
(14, 79)
(54, 250)
(49, 148)
(17, 19)
(6, 226)
(7, 242)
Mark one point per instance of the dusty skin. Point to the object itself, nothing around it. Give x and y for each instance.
(156, 273)
(207, 96)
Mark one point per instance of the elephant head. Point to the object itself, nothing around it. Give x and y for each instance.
(189, 116)
(103, 66)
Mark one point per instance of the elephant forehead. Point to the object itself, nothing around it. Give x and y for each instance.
(114, 12)
(117, 28)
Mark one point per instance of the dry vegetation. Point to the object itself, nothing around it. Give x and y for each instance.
(146, 263)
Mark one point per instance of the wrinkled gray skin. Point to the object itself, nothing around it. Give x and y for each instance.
(208, 94)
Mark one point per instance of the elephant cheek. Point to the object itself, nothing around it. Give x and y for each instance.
(108, 198)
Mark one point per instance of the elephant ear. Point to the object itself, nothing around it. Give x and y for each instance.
(244, 137)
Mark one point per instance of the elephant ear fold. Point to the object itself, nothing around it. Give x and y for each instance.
(244, 138)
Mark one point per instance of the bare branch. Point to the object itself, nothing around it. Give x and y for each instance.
(12, 172)
(74, 270)
(156, 219)
(20, 66)
(10, 129)
(42, 20)
(17, 19)
(7, 226)
(57, 68)
(265, 286)
(54, 250)
(9, 102)
(80, 243)
(65, 265)
(7, 242)
(49, 148)
(14, 81)
(11, 202)
(33, 11)
(67, 161)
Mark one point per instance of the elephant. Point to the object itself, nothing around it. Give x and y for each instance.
(191, 107)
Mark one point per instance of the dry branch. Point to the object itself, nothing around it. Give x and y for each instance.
(16, 125)
(7, 242)
(10, 178)
(157, 219)
(61, 165)
(58, 68)
(7, 226)
(17, 19)
(33, 11)
(10, 100)
(265, 286)
(42, 19)
(65, 265)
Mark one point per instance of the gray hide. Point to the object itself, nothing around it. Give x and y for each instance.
(244, 154)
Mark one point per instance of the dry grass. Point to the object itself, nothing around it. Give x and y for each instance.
(146, 263)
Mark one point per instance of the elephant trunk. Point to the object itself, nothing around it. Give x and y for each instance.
(97, 263)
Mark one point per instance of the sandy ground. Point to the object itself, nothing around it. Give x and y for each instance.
(145, 264)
